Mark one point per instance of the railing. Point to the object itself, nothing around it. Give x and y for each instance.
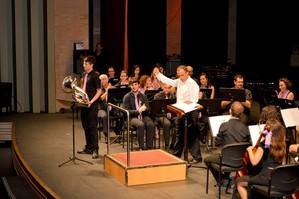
(23, 169)
(128, 130)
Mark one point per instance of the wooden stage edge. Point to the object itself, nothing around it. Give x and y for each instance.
(152, 166)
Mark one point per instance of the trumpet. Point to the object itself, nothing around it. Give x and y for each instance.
(69, 84)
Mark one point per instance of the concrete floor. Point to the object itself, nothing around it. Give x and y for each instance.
(46, 141)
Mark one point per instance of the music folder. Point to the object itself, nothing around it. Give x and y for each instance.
(215, 123)
(232, 94)
(185, 107)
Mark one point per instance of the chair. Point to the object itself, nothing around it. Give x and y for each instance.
(284, 181)
(230, 160)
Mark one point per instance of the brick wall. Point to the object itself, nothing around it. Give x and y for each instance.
(71, 25)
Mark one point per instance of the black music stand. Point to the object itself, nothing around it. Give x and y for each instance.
(284, 103)
(150, 94)
(232, 94)
(212, 106)
(115, 96)
(158, 106)
(73, 158)
(206, 92)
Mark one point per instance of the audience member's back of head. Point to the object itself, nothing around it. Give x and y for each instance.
(236, 109)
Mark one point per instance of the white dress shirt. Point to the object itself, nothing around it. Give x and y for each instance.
(186, 91)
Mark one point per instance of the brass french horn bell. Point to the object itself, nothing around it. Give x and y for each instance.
(68, 84)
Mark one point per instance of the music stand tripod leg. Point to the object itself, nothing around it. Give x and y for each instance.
(185, 139)
(74, 158)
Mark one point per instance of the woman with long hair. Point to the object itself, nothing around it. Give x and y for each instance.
(270, 153)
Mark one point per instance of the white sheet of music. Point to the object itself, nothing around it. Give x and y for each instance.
(255, 131)
(186, 107)
(216, 121)
(290, 117)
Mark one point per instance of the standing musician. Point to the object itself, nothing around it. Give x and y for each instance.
(91, 84)
(230, 132)
(239, 84)
(270, 153)
(187, 91)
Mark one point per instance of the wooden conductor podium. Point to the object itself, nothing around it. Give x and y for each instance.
(146, 167)
(142, 167)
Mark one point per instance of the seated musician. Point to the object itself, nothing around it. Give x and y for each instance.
(123, 79)
(239, 84)
(137, 105)
(145, 84)
(203, 84)
(102, 113)
(111, 75)
(230, 132)
(203, 121)
(270, 153)
(187, 91)
(284, 89)
(164, 121)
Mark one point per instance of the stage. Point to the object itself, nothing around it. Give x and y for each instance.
(46, 141)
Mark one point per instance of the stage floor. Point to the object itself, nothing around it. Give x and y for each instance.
(46, 141)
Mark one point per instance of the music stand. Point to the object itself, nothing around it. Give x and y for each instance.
(150, 94)
(73, 159)
(232, 94)
(115, 96)
(212, 106)
(158, 108)
(284, 103)
(206, 92)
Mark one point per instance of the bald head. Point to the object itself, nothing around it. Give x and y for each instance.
(236, 109)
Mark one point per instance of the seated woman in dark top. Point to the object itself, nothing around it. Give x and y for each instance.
(205, 84)
(271, 152)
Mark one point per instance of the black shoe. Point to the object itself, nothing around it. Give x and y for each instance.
(85, 151)
(95, 154)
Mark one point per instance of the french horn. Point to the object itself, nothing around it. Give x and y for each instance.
(70, 85)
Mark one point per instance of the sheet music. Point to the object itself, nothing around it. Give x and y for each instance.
(216, 121)
(290, 117)
(186, 107)
(255, 131)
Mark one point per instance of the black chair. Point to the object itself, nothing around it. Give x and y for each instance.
(284, 181)
(230, 160)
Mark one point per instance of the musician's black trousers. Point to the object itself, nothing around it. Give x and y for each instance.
(89, 123)
(193, 135)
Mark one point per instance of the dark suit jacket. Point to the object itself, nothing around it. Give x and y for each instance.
(231, 132)
(129, 104)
